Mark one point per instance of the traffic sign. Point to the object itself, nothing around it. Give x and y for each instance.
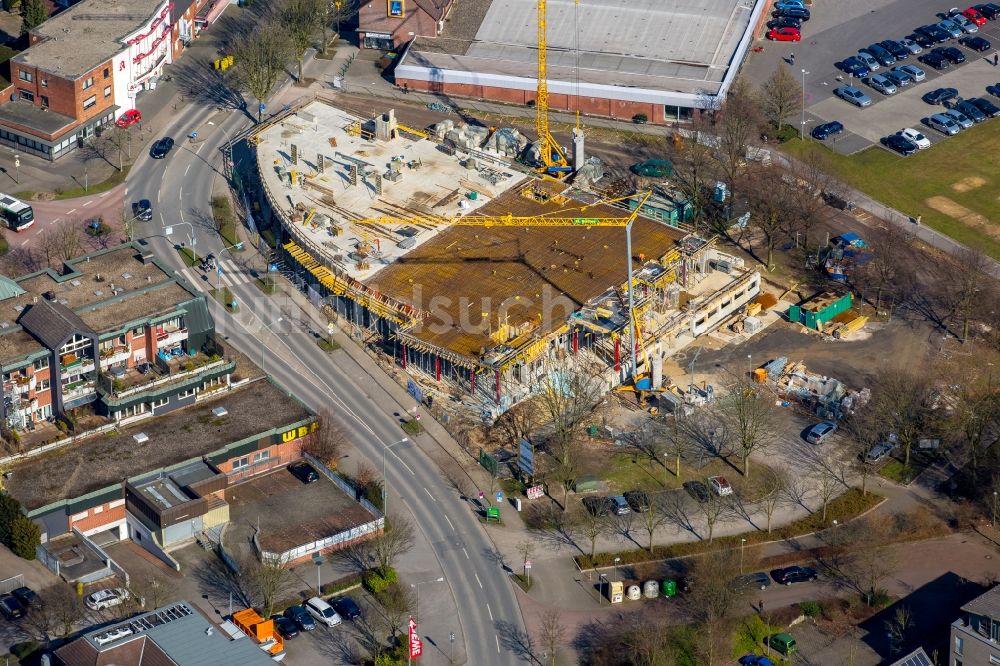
(499, 496)
(527, 564)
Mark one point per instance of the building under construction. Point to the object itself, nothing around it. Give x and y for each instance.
(474, 274)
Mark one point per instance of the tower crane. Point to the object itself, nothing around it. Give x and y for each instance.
(554, 220)
(553, 158)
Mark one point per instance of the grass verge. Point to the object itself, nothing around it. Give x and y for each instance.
(749, 638)
(116, 178)
(412, 427)
(187, 255)
(960, 176)
(522, 581)
(225, 297)
(225, 220)
(330, 345)
(266, 285)
(842, 509)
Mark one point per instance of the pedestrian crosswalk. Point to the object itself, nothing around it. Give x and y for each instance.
(227, 273)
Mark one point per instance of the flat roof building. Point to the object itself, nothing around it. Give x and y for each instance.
(659, 58)
(177, 634)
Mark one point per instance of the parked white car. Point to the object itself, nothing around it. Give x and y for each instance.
(323, 612)
(720, 486)
(107, 598)
(916, 136)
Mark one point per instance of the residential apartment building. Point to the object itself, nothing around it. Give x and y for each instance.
(389, 24)
(85, 66)
(112, 329)
(975, 637)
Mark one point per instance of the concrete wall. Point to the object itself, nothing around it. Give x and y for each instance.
(141, 535)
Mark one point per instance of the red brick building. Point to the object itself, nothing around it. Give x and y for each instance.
(390, 24)
(85, 67)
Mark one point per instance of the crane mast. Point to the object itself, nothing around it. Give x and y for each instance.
(554, 162)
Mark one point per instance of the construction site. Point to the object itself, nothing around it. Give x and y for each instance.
(476, 274)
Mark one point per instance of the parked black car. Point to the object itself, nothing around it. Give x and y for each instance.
(922, 40)
(790, 575)
(26, 596)
(785, 22)
(597, 506)
(301, 617)
(697, 490)
(940, 96)
(935, 60)
(976, 43)
(826, 130)
(899, 144)
(934, 33)
(884, 58)
(898, 51)
(792, 12)
(637, 500)
(346, 607)
(969, 109)
(953, 55)
(990, 10)
(286, 626)
(304, 472)
(161, 148)
(11, 607)
(988, 108)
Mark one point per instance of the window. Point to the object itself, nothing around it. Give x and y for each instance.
(138, 332)
(41, 363)
(90, 101)
(43, 384)
(107, 72)
(160, 403)
(261, 456)
(88, 82)
(26, 76)
(98, 509)
(45, 101)
(994, 659)
(45, 83)
(959, 644)
(107, 91)
(240, 463)
(27, 96)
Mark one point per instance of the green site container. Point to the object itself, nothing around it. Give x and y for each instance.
(473, 195)
(668, 588)
(592, 430)
(493, 513)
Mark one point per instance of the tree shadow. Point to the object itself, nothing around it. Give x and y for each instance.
(217, 582)
(516, 641)
(199, 81)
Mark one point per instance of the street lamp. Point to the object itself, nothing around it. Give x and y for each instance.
(617, 560)
(318, 560)
(802, 126)
(993, 523)
(169, 230)
(416, 586)
(385, 480)
(17, 168)
(603, 579)
(743, 543)
(229, 146)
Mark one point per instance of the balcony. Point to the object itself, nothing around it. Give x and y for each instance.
(168, 337)
(72, 363)
(110, 357)
(164, 377)
(79, 393)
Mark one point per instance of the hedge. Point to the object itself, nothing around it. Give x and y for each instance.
(377, 582)
(849, 505)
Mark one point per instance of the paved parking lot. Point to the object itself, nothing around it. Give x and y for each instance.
(838, 30)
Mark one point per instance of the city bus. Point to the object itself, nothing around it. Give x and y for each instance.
(16, 214)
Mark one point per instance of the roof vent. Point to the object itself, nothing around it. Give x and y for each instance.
(49, 295)
(208, 631)
(146, 257)
(140, 438)
(220, 411)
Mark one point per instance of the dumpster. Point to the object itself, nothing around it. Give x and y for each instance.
(668, 588)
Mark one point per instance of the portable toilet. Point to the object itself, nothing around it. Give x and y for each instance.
(668, 588)
(617, 591)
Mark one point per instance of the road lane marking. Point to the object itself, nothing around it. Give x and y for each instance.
(478, 581)
(157, 195)
(429, 494)
(88, 203)
(466, 553)
(181, 213)
(187, 169)
(498, 643)
(490, 611)
(180, 194)
(449, 523)
(70, 212)
(25, 242)
(101, 196)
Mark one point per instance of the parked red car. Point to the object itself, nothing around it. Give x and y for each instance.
(130, 117)
(784, 34)
(973, 15)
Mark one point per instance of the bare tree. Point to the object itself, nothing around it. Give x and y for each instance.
(260, 56)
(747, 410)
(652, 519)
(772, 492)
(865, 429)
(889, 247)
(592, 525)
(712, 510)
(780, 96)
(567, 399)
(869, 563)
(300, 18)
(970, 277)
(898, 628)
(118, 139)
(395, 540)
(976, 420)
(526, 549)
(267, 580)
(397, 602)
(694, 170)
(899, 399)
(64, 608)
(518, 422)
(328, 443)
(649, 442)
(551, 635)
(738, 126)
(828, 484)
(712, 575)
(769, 199)
(332, 14)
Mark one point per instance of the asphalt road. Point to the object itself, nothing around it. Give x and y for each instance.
(180, 188)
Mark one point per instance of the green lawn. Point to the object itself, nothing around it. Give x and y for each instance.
(116, 178)
(964, 169)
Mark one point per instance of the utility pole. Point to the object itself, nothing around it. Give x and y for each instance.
(802, 126)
